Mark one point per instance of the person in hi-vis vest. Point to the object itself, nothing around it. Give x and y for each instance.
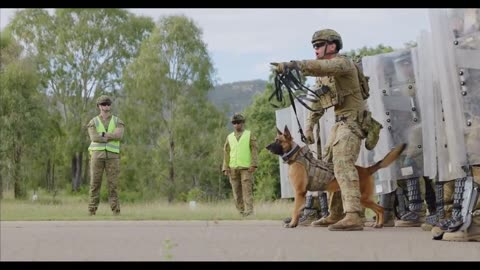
(239, 163)
(106, 132)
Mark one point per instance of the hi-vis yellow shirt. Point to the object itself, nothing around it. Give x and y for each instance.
(240, 155)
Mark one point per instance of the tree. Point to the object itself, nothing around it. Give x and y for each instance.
(357, 55)
(81, 54)
(166, 105)
(21, 112)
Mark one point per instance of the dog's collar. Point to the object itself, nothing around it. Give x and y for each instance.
(290, 153)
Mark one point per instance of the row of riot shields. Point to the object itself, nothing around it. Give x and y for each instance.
(428, 97)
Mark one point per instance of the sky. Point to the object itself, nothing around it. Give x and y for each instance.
(242, 42)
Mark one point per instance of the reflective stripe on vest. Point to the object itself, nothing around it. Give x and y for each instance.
(111, 146)
(240, 155)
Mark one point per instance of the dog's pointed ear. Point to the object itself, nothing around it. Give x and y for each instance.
(287, 132)
(279, 132)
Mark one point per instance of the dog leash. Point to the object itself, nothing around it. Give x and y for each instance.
(289, 80)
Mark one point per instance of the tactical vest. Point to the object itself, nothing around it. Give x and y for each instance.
(330, 98)
(240, 155)
(320, 173)
(329, 95)
(111, 146)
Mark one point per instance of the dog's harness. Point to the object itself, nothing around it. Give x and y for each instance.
(320, 173)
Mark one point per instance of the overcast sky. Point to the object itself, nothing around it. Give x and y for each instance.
(242, 42)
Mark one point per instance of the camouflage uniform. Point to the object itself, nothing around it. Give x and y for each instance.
(104, 161)
(340, 88)
(240, 177)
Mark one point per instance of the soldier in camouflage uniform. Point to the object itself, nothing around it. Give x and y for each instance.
(106, 132)
(239, 163)
(340, 88)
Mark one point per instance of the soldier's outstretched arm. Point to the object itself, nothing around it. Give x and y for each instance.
(325, 67)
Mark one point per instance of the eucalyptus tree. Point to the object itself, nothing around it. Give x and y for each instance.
(81, 54)
(172, 125)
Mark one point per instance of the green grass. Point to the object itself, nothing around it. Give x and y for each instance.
(75, 207)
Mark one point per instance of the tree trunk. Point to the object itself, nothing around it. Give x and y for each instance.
(86, 174)
(1, 184)
(48, 176)
(171, 174)
(76, 171)
(18, 189)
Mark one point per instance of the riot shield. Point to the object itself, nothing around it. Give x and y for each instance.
(449, 84)
(464, 31)
(393, 102)
(423, 67)
(465, 27)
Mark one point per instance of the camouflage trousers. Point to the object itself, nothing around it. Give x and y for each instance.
(112, 168)
(335, 205)
(345, 148)
(242, 187)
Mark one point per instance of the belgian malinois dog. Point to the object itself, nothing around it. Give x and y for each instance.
(299, 178)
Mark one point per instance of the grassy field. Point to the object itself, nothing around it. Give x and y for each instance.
(74, 207)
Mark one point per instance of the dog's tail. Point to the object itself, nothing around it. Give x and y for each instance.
(388, 159)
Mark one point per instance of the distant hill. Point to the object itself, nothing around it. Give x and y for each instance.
(236, 95)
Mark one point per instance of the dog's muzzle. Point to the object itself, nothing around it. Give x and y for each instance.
(275, 148)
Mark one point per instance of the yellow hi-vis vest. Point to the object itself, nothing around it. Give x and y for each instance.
(240, 155)
(111, 146)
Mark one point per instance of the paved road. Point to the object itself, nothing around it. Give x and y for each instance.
(218, 241)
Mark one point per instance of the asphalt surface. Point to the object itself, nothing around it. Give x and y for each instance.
(219, 241)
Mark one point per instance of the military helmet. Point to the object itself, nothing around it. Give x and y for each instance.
(104, 99)
(328, 35)
(238, 117)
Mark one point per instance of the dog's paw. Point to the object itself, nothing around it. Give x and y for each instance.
(377, 226)
(290, 225)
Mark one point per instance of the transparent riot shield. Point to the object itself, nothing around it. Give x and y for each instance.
(447, 76)
(423, 67)
(393, 102)
(286, 116)
(465, 27)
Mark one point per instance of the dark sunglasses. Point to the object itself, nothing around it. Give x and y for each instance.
(319, 44)
(105, 104)
(236, 122)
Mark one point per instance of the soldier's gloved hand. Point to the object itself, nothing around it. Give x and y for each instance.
(309, 136)
(281, 67)
(226, 172)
